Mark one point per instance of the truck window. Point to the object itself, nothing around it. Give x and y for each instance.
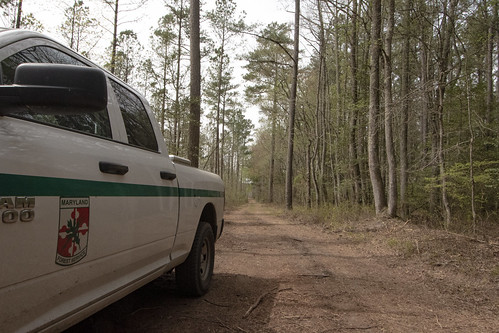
(137, 124)
(96, 123)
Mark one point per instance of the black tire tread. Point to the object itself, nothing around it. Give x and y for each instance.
(187, 274)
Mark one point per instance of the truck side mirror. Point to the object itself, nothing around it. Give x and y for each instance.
(55, 89)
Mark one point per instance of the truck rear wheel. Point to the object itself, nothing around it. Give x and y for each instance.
(193, 277)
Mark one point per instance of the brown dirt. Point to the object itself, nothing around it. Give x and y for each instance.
(275, 274)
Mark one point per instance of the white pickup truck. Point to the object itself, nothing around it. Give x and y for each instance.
(92, 206)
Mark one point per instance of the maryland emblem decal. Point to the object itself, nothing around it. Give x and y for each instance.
(74, 218)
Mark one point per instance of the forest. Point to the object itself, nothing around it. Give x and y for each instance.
(389, 106)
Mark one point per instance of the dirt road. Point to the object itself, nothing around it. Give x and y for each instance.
(278, 275)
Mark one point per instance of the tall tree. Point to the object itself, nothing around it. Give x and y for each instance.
(225, 27)
(354, 118)
(128, 49)
(19, 14)
(374, 110)
(292, 110)
(162, 41)
(181, 15)
(195, 86)
(13, 12)
(446, 33)
(389, 138)
(78, 28)
(321, 128)
(167, 69)
(404, 116)
(268, 70)
(116, 8)
(114, 5)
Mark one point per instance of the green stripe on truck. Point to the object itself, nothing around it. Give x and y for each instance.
(19, 185)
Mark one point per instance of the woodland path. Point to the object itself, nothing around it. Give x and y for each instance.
(279, 275)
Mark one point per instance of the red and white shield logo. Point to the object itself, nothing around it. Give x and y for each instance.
(74, 219)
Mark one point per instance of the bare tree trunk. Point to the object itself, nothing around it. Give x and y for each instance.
(195, 88)
(320, 119)
(496, 19)
(176, 130)
(472, 140)
(352, 147)
(445, 48)
(19, 14)
(219, 101)
(426, 99)
(73, 25)
(374, 111)
(313, 161)
(292, 110)
(273, 134)
(435, 197)
(390, 148)
(222, 139)
(164, 95)
(338, 107)
(490, 81)
(115, 37)
(441, 161)
(404, 117)
(308, 175)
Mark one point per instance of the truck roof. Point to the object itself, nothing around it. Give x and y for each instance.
(12, 35)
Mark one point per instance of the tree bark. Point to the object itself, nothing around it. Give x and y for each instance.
(489, 73)
(164, 94)
(471, 158)
(292, 110)
(195, 87)
(444, 58)
(115, 37)
(374, 111)
(320, 114)
(404, 116)
(352, 146)
(19, 14)
(308, 197)
(496, 35)
(176, 130)
(273, 134)
(337, 120)
(390, 148)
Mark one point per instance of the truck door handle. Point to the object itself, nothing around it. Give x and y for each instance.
(113, 168)
(168, 175)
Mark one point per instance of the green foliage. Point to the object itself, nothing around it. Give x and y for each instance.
(5, 3)
(128, 49)
(30, 22)
(459, 185)
(9, 12)
(486, 188)
(79, 28)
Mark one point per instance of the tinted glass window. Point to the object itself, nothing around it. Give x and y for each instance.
(95, 123)
(137, 124)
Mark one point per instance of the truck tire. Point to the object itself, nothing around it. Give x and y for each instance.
(193, 277)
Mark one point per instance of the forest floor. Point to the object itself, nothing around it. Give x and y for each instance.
(278, 274)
